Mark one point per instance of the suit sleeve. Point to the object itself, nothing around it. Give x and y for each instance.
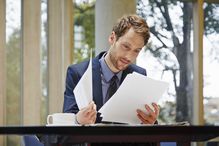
(70, 105)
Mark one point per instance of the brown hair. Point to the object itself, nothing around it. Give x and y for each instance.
(132, 21)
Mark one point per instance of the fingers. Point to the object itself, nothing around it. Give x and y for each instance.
(93, 117)
(156, 108)
(144, 117)
(150, 111)
(150, 115)
(87, 115)
(91, 113)
(94, 107)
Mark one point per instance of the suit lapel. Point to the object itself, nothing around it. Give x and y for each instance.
(127, 71)
(97, 86)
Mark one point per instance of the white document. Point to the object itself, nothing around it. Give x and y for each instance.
(135, 91)
(83, 90)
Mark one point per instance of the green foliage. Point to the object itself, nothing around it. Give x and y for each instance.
(84, 16)
(168, 110)
(13, 83)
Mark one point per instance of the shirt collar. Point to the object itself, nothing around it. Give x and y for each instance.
(106, 72)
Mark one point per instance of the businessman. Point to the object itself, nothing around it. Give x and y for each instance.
(129, 35)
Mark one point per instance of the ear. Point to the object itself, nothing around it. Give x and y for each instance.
(112, 38)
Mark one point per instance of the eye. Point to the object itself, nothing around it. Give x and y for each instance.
(125, 46)
(137, 50)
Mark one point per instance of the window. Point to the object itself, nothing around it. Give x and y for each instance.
(211, 63)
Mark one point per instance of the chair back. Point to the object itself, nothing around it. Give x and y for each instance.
(31, 140)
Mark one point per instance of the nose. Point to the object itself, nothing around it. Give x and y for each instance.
(129, 56)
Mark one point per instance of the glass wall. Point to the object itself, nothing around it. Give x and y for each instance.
(13, 50)
(44, 62)
(211, 63)
(14, 67)
(168, 55)
(84, 30)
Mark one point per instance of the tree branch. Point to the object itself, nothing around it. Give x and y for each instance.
(156, 34)
(165, 14)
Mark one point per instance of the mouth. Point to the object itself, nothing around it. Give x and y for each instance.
(124, 61)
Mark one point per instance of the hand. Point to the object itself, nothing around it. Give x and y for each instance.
(149, 116)
(87, 115)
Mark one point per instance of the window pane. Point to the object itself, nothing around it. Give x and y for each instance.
(168, 55)
(84, 32)
(13, 38)
(211, 63)
(44, 62)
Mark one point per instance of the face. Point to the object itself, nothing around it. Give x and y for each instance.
(123, 51)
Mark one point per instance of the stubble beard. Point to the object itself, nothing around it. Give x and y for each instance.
(115, 62)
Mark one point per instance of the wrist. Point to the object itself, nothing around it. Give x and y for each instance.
(76, 119)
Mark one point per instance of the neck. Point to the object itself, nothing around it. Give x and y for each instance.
(109, 63)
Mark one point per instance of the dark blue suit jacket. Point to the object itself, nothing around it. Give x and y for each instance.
(74, 74)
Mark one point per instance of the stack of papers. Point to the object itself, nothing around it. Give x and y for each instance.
(135, 91)
(83, 90)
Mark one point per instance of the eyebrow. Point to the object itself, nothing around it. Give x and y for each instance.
(127, 43)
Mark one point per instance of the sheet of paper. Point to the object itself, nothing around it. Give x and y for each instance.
(83, 90)
(135, 91)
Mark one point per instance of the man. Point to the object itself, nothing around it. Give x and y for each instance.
(128, 37)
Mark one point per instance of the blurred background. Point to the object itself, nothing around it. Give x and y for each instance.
(40, 38)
